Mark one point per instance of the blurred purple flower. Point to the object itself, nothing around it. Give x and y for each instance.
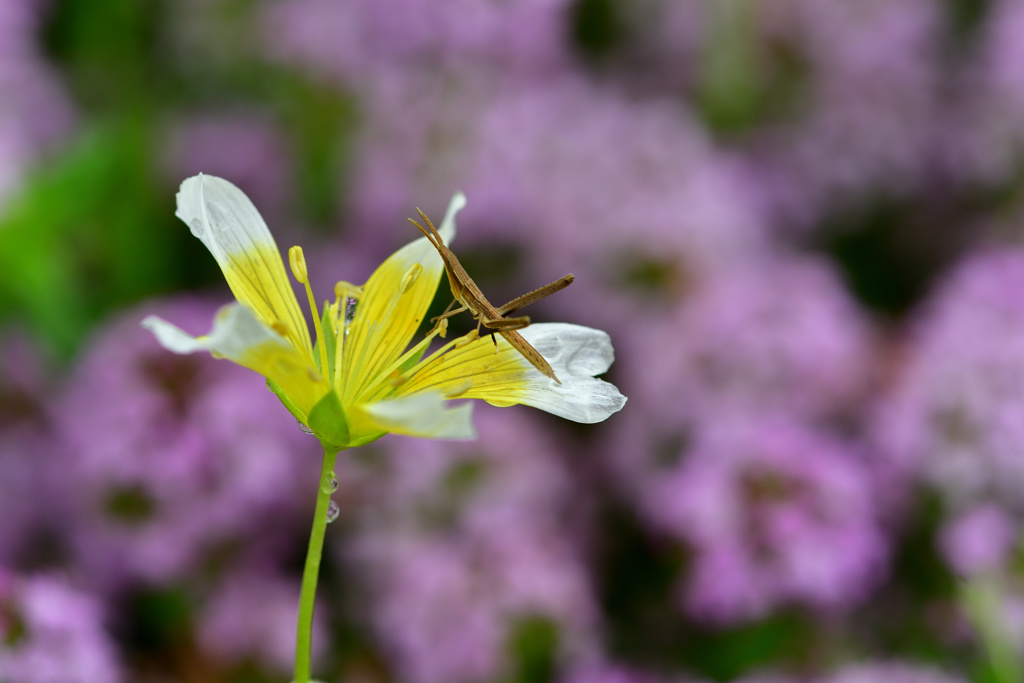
(173, 456)
(991, 96)
(660, 196)
(52, 633)
(251, 617)
(246, 147)
(865, 120)
(36, 111)
(954, 412)
(354, 41)
(775, 334)
(600, 672)
(774, 513)
(979, 541)
(33, 477)
(460, 544)
(893, 672)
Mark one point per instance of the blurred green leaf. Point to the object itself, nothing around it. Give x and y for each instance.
(88, 233)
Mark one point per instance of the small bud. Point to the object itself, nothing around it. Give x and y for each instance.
(297, 261)
(410, 277)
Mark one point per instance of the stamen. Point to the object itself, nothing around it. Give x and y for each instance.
(297, 261)
(407, 281)
(467, 338)
(343, 291)
(410, 277)
(394, 379)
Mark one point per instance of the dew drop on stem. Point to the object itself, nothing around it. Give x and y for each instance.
(332, 512)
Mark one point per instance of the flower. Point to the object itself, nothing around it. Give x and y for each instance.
(953, 415)
(51, 631)
(896, 672)
(775, 512)
(151, 504)
(237, 630)
(359, 382)
(465, 550)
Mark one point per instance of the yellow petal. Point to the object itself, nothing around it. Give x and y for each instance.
(238, 336)
(386, 318)
(505, 378)
(220, 215)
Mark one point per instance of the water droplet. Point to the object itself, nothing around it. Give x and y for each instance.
(304, 427)
(331, 486)
(332, 512)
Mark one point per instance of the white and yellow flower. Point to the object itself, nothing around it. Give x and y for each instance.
(362, 379)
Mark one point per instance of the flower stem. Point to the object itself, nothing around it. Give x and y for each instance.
(304, 633)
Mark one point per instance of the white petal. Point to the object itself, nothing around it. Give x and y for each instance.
(235, 331)
(426, 414)
(575, 353)
(447, 227)
(225, 220)
(221, 216)
(239, 336)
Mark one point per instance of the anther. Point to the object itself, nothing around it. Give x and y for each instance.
(410, 277)
(297, 261)
(470, 337)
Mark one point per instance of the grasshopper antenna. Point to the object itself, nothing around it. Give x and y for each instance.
(429, 236)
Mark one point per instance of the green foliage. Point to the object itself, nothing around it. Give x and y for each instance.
(534, 646)
(89, 233)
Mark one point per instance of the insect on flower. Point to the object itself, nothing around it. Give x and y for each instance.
(366, 375)
(472, 299)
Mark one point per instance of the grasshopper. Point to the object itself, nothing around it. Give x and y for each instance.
(472, 299)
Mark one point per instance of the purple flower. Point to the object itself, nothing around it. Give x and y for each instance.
(954, 412)
(33, 473)
(460, 545)
(601, 672)
(36, 111)
(776, 334)
(355, 41)
(659, 196)
(52, 633)
(868, 99)
(893, 672)
(775, 513)
(251, 617)
(991, 97)
(247, 148)
(979, 541)
(173, 457)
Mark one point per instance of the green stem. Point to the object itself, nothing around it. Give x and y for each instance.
(304, 633)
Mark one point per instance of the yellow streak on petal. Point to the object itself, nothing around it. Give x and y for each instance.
(387, 317)
(226, 221)
(257, 278)
(474, 370)
(290, 370)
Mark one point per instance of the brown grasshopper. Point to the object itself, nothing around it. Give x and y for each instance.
(472, 299)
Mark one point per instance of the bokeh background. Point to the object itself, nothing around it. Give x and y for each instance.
(799, 220)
